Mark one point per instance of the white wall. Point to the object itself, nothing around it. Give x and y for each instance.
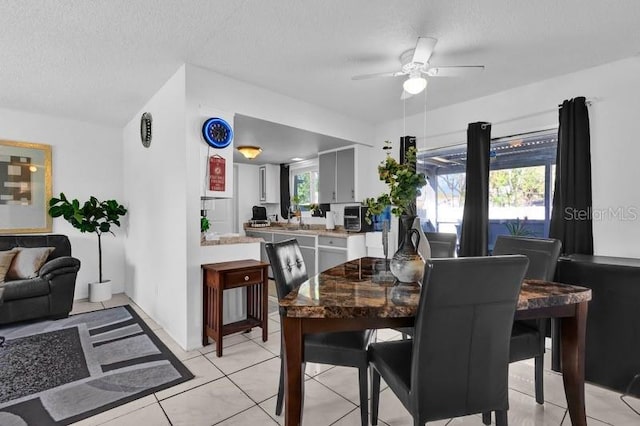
(615, 90)
(207, 90)
(86, 161)
(156, 193)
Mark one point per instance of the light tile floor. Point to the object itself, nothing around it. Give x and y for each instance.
(240, 389)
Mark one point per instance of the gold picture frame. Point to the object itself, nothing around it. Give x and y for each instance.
(25, 187)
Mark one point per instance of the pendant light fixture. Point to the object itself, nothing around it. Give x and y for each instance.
(249, 151)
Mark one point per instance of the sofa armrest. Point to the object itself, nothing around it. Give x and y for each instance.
(59, 266)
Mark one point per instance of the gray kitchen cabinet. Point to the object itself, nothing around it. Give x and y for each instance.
(307, 245)
(336, 176)
(309, 256)
(327, 178)
(346, 182)
(329, 257)
(268, 238)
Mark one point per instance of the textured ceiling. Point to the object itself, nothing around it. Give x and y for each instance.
(102, 60)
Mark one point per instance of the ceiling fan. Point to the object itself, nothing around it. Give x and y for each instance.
(415, 64)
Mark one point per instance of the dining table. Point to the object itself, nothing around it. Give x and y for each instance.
(361, 294)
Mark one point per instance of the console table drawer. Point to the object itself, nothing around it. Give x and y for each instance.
(239, 278)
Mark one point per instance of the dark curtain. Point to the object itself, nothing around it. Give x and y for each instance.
(406, 142)
(285, 194)
(571, 215)
(475, 221)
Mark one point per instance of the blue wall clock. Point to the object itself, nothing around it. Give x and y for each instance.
(217, 132)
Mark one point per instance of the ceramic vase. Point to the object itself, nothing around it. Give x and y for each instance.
(406, 264)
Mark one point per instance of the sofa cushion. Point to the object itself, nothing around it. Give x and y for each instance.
(28, 262)
(22, 289)
(5, 262)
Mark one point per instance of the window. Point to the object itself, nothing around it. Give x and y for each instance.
(304, 182)
(521, 176)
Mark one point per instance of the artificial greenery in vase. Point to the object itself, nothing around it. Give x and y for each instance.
(93, 216)
(404, 184)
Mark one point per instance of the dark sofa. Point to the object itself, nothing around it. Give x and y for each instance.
(50, 295)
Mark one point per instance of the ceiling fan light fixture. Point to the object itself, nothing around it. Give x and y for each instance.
(249, 151)
(415, 84)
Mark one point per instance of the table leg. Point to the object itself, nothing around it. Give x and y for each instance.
(218, 312)
(265, 308)
(573, 334)
(293, 387)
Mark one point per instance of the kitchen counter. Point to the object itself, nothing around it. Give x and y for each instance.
(231, 240)
(318, 230)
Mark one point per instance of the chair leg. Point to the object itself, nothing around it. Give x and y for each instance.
(364, 395)
(281, 387)
(501, 418)
(375, 395)
(539, 377)
(486, 418)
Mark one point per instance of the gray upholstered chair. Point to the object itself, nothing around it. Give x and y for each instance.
(527, 337)
(348, 349)
(442, 244)
(50, 294)
(458, 360)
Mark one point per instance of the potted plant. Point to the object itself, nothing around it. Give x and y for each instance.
(93, 216)
(517, 228)
(404, 184)
(315, 210)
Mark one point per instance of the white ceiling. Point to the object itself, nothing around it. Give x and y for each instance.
(280, 143)
(102, 60)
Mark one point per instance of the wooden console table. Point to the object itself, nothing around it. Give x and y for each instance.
(218, 277)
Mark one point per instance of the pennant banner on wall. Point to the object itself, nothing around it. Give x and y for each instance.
(217, 173)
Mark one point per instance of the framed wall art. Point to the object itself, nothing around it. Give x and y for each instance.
(25, 187)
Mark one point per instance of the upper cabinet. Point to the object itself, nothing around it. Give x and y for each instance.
(337, 176)
(269, 185)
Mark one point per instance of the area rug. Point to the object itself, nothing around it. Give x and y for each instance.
(59, 372)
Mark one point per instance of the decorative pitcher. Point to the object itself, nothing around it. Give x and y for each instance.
(406, 264)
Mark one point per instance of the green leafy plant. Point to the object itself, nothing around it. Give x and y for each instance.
(204, 224)
(517, 228)
(404, 184)
(93, 216)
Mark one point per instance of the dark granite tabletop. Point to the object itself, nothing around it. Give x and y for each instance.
(362, 288)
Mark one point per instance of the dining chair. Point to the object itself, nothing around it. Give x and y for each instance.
(442, 244)
(457, 363)
(527, 337)
(348, 349)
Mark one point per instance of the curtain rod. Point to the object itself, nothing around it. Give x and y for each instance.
(589, 101)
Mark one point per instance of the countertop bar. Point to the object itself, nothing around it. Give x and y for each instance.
(318, 230)
(231, 240)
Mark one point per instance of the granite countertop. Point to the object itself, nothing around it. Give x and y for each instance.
(355, 289)
(318, 230)
(230, 240)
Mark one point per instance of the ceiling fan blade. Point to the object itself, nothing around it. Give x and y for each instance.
(405, 95)
(424, 49)
(378, 74)
(456, 71)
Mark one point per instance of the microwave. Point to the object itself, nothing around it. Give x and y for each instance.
(355, 219)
